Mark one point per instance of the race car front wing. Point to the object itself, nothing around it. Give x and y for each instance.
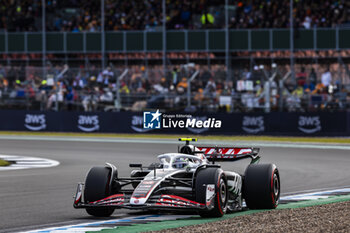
(154, 202)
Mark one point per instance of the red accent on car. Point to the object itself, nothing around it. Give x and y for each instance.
(218, 195)
(177, 198)
(225, 150)
(108, 198)
(272, 190)
(77, 201)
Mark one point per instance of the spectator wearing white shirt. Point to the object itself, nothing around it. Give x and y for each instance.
(105, 76)
(307, 22)
(326, 78)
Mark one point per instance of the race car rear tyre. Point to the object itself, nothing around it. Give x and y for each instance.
(216, 177)
(261, 186)
(97, 187)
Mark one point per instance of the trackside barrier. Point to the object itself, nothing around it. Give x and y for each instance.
(275, 123)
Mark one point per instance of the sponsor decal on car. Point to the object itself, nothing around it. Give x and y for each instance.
(210, 193)
(143, 188)
(138, 200)
(35, 122)
(148, 182)
(142, 192)
(88, 123)
(309, 124)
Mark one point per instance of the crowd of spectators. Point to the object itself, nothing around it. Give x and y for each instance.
(275, 14)
(316, 88)
(92, 89)
(89, 88)
(78, 15)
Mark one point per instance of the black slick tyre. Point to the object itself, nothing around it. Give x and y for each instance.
(97, 187)
(261, 186)
(215, 176)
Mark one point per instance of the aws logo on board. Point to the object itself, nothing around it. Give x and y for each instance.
(137, 124)
(35, 122)
(309, 124)
(88, 123)
(253, 124)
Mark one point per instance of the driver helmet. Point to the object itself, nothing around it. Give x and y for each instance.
(180, 162)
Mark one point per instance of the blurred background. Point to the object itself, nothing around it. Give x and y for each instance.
(194, 56)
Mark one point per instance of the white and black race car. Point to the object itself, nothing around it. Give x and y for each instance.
(187, 180)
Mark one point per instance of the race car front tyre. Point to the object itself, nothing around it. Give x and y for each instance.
(97, 187)
(261, 186)
(212, 176)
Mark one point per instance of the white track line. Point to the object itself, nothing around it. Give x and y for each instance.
(25, 162)
(316, 195)
(76, 227)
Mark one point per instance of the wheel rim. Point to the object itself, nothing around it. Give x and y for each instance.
(223, 192)
(276, 186)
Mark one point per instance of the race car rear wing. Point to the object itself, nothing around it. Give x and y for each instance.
(229, 153)
(220, 153)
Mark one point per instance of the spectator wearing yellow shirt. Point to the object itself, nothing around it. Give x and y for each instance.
(299, 92)
(207, 19)
(124, 88)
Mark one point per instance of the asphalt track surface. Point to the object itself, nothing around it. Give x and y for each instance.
(36, 198)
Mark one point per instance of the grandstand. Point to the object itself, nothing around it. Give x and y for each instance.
(216, 56)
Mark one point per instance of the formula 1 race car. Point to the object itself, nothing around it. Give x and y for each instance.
(183, 181)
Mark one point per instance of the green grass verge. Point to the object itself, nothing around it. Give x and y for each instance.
(343, 140)
(156, 226)
(4, 163)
